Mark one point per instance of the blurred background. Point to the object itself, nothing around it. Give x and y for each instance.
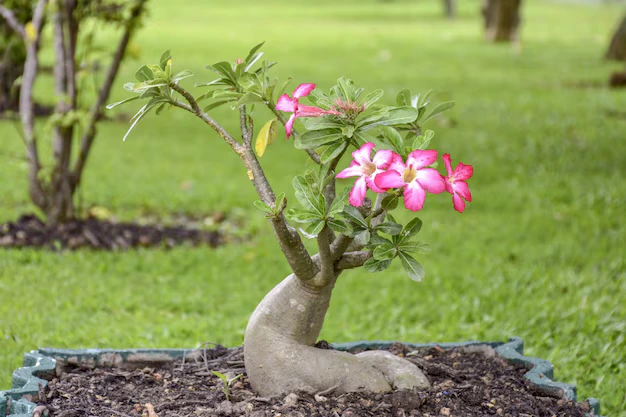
(540, 115)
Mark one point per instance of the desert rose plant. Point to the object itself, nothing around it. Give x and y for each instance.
(390, 159)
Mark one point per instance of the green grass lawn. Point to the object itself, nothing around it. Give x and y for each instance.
(539, 254)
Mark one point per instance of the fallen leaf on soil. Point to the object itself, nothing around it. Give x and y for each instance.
(150, 409)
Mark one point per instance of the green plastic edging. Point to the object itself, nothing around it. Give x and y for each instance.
(17, 402)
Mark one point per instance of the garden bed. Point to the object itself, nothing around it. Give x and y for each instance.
(93, 233)
(467, 379)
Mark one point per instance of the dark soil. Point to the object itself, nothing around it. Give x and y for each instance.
(468, 382)
(30, 231)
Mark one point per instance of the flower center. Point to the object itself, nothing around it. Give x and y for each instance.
(409, 175)
(369, 168)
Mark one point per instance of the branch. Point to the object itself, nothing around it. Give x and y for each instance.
(194, 108)
(340, 246)
(31, 67)
(352, 260)
(12, 21)
(325, 255)
(96, 111)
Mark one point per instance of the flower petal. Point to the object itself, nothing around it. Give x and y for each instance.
(352, 171)
(389, 179)
(458, 203)
(382, 159)
(286, 103)
(289, 125)
(447, 161)
(303, 90)
(372, 185)
(463, 172)
(309, 111)
(430, 179)
(397, 164)
(420, 159)
(414, 196)
(461, 188)
(357, 194)
(448, 185)
(364, 154)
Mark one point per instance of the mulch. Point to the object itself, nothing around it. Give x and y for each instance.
(465, 382)
(94, 233)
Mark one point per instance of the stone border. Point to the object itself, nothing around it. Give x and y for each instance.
(27, 381)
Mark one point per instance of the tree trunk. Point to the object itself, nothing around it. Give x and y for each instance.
(617, 47)
(502, 20)
(281, 358)
(449, 7)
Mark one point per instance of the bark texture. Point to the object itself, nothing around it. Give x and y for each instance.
(502, 20)
(617, 47)
(280, 357)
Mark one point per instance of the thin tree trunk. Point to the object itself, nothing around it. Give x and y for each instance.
(450, 8)
(617, 47)
(502, 20)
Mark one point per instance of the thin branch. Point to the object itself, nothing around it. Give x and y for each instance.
(352, 260)
(243, 122)
(195, 109)
(12, 21)
(96, 111)
(325, 256)
(340, 246)
(27, 108)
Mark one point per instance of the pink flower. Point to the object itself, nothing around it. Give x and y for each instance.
(367, 169)
(455, 182)
(414, 176)
(288, 104)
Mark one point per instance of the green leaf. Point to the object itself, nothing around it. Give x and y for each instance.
(390, 228)
(182, 75)
(249, 98)
(346, 86)
(253, 52)
(216, 104)
(302, 216)
(340, 226)
(372, 98)
(316, 138)
(363, 137)
(390, 202)
(220, 376)
(422, 141)
(307, 197)
(160, 108)
(388, 117)
(263, 207)
(219, 81)
(368, 118)
(363, 237)
(165, 56)
(412, 267)
(224, 69)
(374, 265)
(441, 107)
(355, 216)
(266, 136)
(404, 98)
(411, 229)
(144, 74)
(112, 105)
(331, 151)
(319, 123)
(419, 247)
(340, 201)
(249, 81)
(319, 99)
(315, 228)
(393, 138)
(385, 252)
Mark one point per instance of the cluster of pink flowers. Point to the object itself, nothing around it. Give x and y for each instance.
(386, 170)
